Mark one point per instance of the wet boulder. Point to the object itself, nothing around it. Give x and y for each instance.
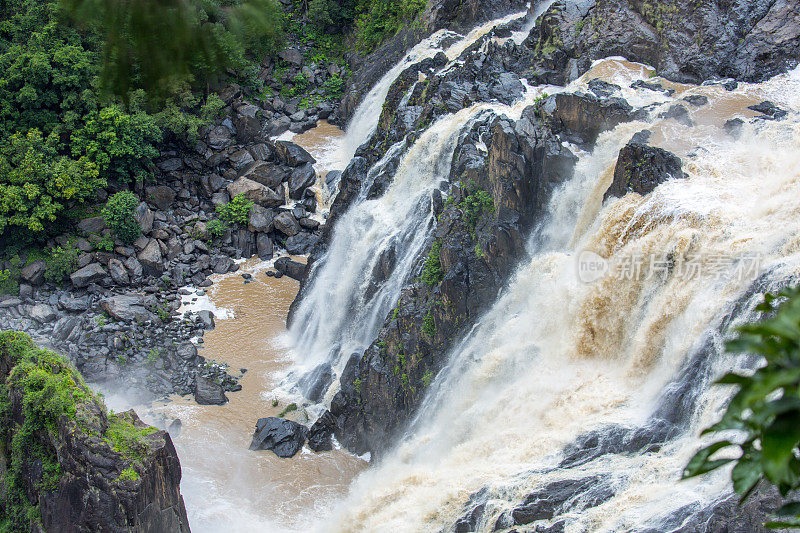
(302, 243)
(301, 178)
(321, 433)
(292, 154)
(314, 384)
(641, 168)
(562, 496)
(283, 437)
(291, 268)
(151, 259)
(208, 392)
(769, 110)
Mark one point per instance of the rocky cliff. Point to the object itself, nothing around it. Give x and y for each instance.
(68, 464)
(502, 171)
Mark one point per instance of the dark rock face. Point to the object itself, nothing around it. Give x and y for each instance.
(586, 116)
(284, 437)
(559, 497)
(321, 433)
(770, 110)
(477, 251)
(292, 154)
(641, 168)
(685, 41)
(457, 15)
(98, 487)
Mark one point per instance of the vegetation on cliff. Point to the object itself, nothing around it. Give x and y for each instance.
(49, 423)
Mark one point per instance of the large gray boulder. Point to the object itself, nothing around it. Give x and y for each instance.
(301, 178)
(283, 437)
(160, 196)
(292, 154)
(34, 273)
(207, 392)
(261, 219)
(118, 272)
(88, 274)
(286, 224)
(127, 308)
(144, 217)
(268, 174)
(256, 192)
(42, 313)
(151, 259)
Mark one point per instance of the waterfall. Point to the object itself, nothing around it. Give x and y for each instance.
(565, 382)
(340, 312)
(365, 118)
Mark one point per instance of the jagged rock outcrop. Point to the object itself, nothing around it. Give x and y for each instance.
(641, 168)
(685, 41)
(69, 465)
(456, 15)
(480, 237)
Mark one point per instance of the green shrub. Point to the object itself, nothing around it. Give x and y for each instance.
(381, 20)
(119, 144)
(432, 270)
(473, 205)
(37, 185)
(334, 86)
(61, 262)
(428, 325)
(289, 409)
(128, 474)
(9, 278)
(765, 410)
(237, 211)
(217, 228)
(119, 215)
(106, 242)
(427, 378)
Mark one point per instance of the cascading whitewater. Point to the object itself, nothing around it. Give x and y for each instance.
(365, 118)
(561, 381)
(339, 310)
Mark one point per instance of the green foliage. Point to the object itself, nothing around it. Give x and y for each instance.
(62, 261)
(427, 378)
(119, 215)
(50, 389)
(128, 474)
(126, 438)
(9, 277)
(288, 409)
(152, 356)
(106, 242)
(153, 44)
(428, 325)
(334, 86)
(357, 385)
(237, 211)
(766, 409)
(381, 20)
(37, 184)
(475, 204)
(432, 270)
(217, 228)
(119, 144)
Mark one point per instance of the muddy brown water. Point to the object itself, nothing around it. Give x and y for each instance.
(227, 487)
